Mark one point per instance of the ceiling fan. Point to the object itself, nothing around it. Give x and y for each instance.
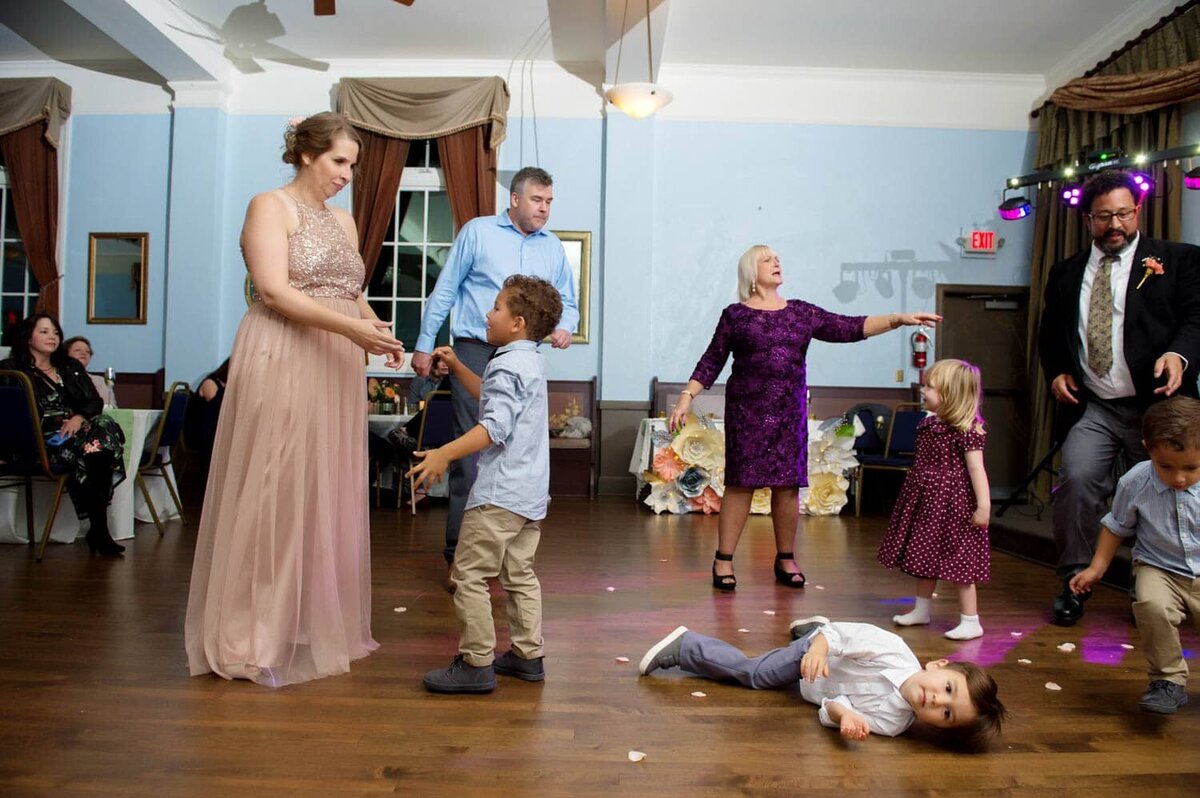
(327, 8)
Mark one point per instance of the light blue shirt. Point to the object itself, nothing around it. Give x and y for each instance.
(1166, 521)
(487, 251)
(514, 472)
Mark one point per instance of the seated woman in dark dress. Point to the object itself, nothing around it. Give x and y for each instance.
(766, 417)
(92, 444)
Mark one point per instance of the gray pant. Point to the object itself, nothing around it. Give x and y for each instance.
(474, 355)
(1108, 436)
(716, 659)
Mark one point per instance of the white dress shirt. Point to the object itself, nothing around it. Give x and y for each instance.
(1118, 383)
(867, 665)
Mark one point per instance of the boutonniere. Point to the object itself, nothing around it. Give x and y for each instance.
(1152, 266)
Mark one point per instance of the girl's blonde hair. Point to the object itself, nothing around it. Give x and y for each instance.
(748, 270)
(961, 390)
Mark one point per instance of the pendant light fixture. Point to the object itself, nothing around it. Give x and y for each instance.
(638, 100)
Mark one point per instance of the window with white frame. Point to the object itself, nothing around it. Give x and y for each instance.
(415, 247)
(18, 288)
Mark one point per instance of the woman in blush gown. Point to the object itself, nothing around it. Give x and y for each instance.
(281, 582)
(766, 427)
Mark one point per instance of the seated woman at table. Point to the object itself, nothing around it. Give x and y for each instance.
(80, 348)
(89, 444)
(766, 429)
(200, 426)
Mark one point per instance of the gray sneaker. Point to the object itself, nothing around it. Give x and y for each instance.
(1163, 697)
(530, 670)
(663, 654)
(802, 626)
(461, 678)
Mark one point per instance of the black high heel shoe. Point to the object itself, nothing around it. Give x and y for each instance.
(723, 581)
(787, 578)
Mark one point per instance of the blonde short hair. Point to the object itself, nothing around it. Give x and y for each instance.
(748, 270)
(961, 389)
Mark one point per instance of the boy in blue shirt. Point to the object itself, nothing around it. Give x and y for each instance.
(501, 526)
(1158, 500)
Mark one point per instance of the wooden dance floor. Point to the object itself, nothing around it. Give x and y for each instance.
(96, 698)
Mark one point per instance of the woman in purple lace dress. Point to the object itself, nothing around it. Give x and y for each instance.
(766, 432)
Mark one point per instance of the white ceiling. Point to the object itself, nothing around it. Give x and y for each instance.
(1056, 39)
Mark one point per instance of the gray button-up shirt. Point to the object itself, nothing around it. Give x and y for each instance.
(514, 472)
(1166, 521)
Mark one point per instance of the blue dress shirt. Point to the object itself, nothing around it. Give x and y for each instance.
(488, 250)
(514, 472)
(1166, 521)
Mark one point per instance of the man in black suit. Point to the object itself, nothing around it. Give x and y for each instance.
(1120, 330)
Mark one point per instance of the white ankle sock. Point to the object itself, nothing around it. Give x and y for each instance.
(917, 616)
(968, 628)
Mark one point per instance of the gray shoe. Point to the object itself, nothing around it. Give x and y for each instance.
(802, 626)
(1163, 697)
(461, 678)
(530, 670)
(664, 653)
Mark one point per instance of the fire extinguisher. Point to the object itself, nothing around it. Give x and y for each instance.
(920, 348)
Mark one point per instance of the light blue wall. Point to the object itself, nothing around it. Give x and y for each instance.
(116, 182)
(838, 204)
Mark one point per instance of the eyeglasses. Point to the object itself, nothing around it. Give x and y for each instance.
(1104, 217)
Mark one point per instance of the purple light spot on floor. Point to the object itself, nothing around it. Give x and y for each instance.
(896, 601)
(1103, 647)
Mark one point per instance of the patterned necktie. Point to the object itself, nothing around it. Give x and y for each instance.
(1099, 320)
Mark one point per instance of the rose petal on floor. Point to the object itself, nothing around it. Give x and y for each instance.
(934, 595)
(662, 560)
(1068, 647)
(1053, 686)
(768, 612)
(743, 630)
(819, 587)
(636, 756)
(1127, 647)
(1024, 661)
(1016, 634)
(610, 589)
(699, 694)
(622, 659)
(400, 609)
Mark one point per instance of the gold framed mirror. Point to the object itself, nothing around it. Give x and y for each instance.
(117, 268)
(578, 246)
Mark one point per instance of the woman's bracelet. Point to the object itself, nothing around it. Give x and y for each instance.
(893, 321)
(689, 394)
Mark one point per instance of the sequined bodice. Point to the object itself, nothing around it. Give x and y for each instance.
(321, 260)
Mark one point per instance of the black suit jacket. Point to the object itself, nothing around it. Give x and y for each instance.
(78, 392)
(1162, 316)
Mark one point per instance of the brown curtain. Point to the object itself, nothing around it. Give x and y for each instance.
(32, 165)
(1099, 120)
(469, 165)
(376, 181)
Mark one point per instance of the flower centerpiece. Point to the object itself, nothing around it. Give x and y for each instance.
(688, 472)
(383, 394)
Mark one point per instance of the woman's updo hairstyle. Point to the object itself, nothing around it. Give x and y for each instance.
(314, 135)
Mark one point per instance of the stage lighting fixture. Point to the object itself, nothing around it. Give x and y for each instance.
(1015, 208)
(1192, 179)
(1070, 195)
(1144, 183)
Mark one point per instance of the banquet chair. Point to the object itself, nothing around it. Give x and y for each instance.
(437, 429)
(23, 455)
(165, 435)
(899, 450)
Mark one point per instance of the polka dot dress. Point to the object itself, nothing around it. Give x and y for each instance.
(930, 535)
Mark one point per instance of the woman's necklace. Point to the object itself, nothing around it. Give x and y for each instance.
(50, 373)
(318, 207)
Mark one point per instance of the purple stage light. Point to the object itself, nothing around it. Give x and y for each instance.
(1192, 179)
(1014, 208)
(1071, 195)
(1144, 183)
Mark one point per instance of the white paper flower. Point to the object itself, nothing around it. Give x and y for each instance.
(666, 498)
(760, 502)
(716, 480)
(698, 446)
(826, 494)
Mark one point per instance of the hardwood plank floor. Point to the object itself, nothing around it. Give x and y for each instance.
(96, 698)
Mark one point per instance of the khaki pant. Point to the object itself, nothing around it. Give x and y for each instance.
(494, 542)
(1163, 601)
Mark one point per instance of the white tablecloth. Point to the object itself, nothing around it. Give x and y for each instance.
(127, 503)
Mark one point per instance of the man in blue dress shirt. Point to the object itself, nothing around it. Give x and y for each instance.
(487, 251)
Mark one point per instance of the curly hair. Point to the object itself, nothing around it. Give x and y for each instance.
(536, 301)
(1107, 181)
(314, 135)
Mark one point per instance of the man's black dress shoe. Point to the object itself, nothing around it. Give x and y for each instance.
(1068, 607)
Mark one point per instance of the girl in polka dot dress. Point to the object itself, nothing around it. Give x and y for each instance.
(938, 528)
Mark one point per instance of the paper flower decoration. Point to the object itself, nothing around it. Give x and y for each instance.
(707, 502)
(692, 481)
(700, 446)
(760, 502)
(667, 464)
(826, 494)
(716, 481)
(666, 498)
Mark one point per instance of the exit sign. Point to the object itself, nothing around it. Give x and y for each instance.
(980, 243)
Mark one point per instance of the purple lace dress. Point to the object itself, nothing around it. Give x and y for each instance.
(766, 428)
